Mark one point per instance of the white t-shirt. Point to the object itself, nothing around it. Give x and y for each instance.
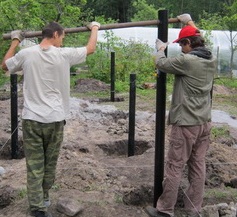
(46, 86)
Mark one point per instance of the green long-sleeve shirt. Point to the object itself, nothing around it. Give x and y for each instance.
(191, 99)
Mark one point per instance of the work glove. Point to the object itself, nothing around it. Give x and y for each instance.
(94, 23)
(160, 44)
(184, 18)
(18, 34)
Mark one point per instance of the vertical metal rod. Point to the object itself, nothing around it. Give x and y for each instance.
(160, 113)
(14, 117)
(112, 76)
(132, 113)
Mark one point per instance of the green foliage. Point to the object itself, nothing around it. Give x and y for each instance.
(210, 21)
(130, 57)
(114, 9)
(121, 86)
(125, 11)
(3, 78)
(230, 19)
(33, 15)
(99, 65)
(76, 40)
(144, 11)
(227, 22)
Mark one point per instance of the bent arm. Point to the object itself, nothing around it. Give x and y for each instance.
(10, 53)
(191, 23)
(91, 45)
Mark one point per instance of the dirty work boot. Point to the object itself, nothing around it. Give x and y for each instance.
(41, 214)
(153, 212)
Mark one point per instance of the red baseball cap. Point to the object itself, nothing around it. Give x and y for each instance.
(186, 32)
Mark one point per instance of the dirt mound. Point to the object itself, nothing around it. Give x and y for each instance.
(220, 89)
(87, 84)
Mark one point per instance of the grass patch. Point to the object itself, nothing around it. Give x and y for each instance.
(227, 103)
(226, 81)
(4, 79)
(118, 198)
(222, 195)
(55, 187)
(220, 131)
(91, 95)
(22, 193)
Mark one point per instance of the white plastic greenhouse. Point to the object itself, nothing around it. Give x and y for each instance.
(220, 41)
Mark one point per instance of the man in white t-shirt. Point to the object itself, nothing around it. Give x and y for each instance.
(46, 89)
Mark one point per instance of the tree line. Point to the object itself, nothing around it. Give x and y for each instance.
(33, 14)
(125, 10)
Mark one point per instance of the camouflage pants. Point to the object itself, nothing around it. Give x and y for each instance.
(41, 143)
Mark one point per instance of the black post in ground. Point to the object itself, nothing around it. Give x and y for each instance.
(160, 112)
(112, 76)
(132, 113)
(14, 117)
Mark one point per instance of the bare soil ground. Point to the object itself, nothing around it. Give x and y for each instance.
(94, 169)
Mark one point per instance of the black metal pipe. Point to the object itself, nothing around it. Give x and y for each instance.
(132, 113)
(112, 76)
(160, 112)
(14, 117)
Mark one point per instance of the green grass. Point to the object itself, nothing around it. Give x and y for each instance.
(221, 131)
(226, 101)
(22, 193)
(3, 79)
(56, 186)
(146, 98)
(226, 81)
(91, 95)
(118, 198)
(221, 195)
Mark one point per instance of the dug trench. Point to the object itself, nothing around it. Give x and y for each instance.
(95, 170)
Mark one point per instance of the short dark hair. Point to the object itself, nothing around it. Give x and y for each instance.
(195, 41)
(51, 28)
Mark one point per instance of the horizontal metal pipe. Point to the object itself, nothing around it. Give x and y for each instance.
(31, 34)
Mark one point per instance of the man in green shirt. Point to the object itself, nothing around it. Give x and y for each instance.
(189, 117)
